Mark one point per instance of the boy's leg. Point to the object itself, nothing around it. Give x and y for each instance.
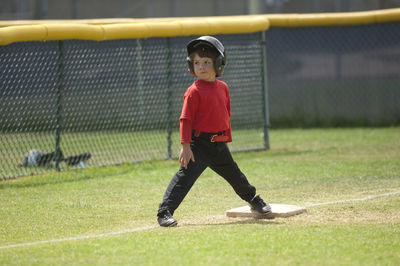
(182, 182)
(225, 166)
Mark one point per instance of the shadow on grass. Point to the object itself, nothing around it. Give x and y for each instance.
(70, 176)
(231, 222)
(287, 152)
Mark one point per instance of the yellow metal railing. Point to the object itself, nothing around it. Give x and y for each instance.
(110, 29)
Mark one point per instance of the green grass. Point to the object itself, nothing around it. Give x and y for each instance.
(302, 167)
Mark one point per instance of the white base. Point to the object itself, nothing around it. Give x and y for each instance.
(277, 210)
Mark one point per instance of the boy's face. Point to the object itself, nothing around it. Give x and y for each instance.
(204, 68)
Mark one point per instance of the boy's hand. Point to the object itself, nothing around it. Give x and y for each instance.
(186, 155)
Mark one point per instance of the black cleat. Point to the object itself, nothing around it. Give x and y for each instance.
(259, 205)
(165, 219)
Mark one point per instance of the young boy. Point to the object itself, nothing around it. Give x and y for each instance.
(205, 130)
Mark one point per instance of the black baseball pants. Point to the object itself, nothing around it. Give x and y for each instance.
(215, 155)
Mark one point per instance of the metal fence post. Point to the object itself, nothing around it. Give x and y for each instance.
(59, 103)
(264, 88)
(169, 98)
(140, 85)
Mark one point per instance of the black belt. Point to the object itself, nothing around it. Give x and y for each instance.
(213, 137)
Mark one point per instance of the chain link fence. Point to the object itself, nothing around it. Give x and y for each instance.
(69, 104)
(73, 103)
(334, 76)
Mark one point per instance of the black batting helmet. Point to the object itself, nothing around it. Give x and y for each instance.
(220, 59)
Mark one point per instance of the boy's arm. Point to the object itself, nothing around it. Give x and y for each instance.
(186, 154)
(185, 128)
(228, 107)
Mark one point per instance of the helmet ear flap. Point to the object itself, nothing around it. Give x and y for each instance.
(219, 65)
(190, 65)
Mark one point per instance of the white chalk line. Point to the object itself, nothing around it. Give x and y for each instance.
(351, 200)
(80, 237)
(144, 228)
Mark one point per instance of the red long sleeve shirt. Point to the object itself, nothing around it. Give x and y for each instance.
(206, 108)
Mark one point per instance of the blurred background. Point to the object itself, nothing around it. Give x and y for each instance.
(83, 9)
